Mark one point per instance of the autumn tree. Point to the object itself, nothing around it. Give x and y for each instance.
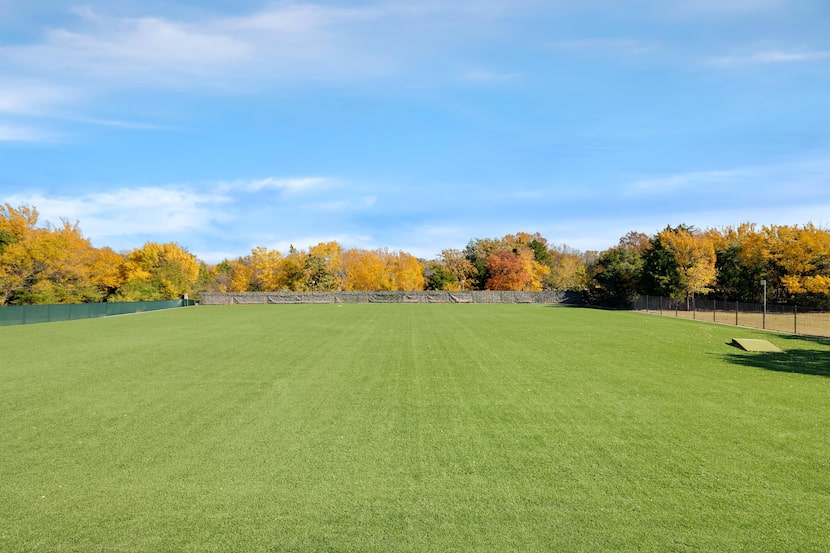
(694, 255)
(106, 269)
(507, 271)
(617, 271)
(406, 270)
(264, 267)
(568, 270)
(49, 264)
(741, 263)
(291, 274)
(477, 252)
(324, 267)
(801, 256)
(16, 224)
(366, 270)
(523, 253)
(660, 276)
(452, 271)
(514, 270)
(438, 277)
(159, 272)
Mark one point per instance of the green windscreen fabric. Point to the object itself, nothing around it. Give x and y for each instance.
(30, 314)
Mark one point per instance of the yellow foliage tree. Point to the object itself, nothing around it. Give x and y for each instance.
(16, 223)
(407, 271)
(324, 267)
(47, 265)
(463, 271)
(241, 278)
(106, 269)
(265, 269)
(159, 271)
(694, 254)
(366, 270)
(291, 271)
(568, 272)
(802, 255)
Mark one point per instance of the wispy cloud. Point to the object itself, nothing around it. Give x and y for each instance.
(286, 40)
(707, 9)
(130, 211)
(769, 57)
(777, 183)
(16, 133)
(60, 74)
(346, 204)
(288, 185)
(603, 45)
(485, 76)
(114, 123)
(687, 182)
(202, 214)
(27, 97)
(131, 50)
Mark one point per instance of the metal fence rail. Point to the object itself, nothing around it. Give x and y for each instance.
(29, 314)
(781, 318)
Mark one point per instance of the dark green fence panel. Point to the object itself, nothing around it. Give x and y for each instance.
(60, 312)
(29, 314)
(123, 308)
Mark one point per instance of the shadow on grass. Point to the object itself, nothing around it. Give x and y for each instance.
(810, 360)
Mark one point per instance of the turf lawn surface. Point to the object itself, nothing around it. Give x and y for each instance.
(410, 428)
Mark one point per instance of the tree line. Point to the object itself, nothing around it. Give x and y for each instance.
(42, 263)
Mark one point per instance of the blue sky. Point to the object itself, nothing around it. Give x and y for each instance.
(227, 124)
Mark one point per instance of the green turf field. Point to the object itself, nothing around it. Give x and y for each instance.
(410, 428)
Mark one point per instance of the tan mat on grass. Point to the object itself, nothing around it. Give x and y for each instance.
(750, 344)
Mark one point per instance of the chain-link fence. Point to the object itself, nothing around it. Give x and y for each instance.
(781, 318)
(28, 314)
(428, 296)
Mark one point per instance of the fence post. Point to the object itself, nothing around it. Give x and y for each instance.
(714, 311)
(795, 319)
(736, 313)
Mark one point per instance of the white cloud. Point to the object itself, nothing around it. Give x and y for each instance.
(482, 75)
(130, 211)
(189, 213)
(768, 57)
(282, 41)
(16, 133)
(26, 98)
(115, 123)
(715, 8)
(686, 182)
(131, 49)
(797, 181)
(347, 204)
(289, 185)
(603, 45)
